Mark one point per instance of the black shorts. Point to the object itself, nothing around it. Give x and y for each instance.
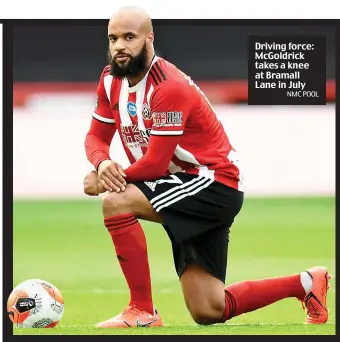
(197, 213)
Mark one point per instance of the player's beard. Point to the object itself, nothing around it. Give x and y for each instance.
(135, 66)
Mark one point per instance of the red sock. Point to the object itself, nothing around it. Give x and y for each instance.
(130, 244)
(248, 296)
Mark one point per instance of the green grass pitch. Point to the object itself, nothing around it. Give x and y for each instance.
(66, 243)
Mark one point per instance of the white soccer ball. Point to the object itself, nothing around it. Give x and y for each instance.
(35, 303)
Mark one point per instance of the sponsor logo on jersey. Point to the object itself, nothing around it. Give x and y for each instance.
(167, 119)
(132, 136)
(131, 108)
(146, 112)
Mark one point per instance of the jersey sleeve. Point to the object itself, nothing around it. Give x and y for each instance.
(98, 138)
(103, 110)
(170, 106)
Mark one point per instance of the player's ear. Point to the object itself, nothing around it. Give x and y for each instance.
(150, 37)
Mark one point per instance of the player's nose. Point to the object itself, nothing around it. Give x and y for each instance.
(119, 46)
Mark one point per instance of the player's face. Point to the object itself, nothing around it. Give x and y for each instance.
(128, 65)
(127, 51)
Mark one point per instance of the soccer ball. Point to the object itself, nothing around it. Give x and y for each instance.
(35, 303)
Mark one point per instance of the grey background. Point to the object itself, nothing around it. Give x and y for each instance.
(205, 52)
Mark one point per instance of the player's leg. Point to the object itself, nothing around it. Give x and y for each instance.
(202, 278)
(196, 213)
(202, 274)
(131, 201)
(310, 287)
(178, 216)
(121, 212)
(200, 253)
(201, 265)
(203, 294)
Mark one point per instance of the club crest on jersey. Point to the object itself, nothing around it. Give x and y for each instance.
(146, 112)
(131, 108)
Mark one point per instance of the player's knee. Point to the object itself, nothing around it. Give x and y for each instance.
(202, 318)
(207, 313)
(109, 204)
(206, 316)
(114, 204)
(204, 294)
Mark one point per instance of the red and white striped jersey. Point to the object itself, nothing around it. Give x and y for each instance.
(167, 102)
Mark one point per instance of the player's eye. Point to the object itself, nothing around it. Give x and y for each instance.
(129, 37)
(112, 39)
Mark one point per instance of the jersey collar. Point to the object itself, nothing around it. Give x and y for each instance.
(137, 86)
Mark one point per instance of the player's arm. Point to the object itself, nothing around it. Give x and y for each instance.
(98, 141)
(102, 128)
(167, 130)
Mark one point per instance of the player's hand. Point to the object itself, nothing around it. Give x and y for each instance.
(92, 186)
(111, 176)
